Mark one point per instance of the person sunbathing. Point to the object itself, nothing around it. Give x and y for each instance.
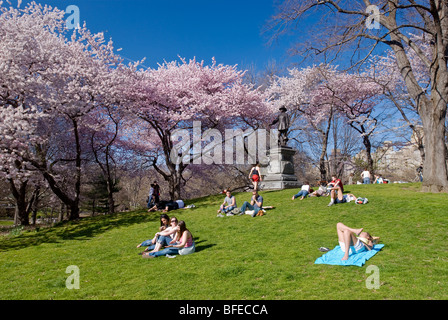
(354, 240)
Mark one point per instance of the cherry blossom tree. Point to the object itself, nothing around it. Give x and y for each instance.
(384, 70)
(319, 93)
(177, 93)
(356, 97)
(362, 28)
(24, 49)
(50, 82)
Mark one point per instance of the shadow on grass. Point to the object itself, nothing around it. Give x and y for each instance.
(83, 229)
(202, 247)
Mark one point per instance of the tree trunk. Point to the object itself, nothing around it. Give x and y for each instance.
(435, 175)
(21, 213)
(61, 213)
(322, 165)
(74, 205)
(33, 203)
(110, 195)
(432, 111)
(174, 184)
(368, 145)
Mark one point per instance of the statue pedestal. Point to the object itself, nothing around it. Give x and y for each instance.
(280, 172)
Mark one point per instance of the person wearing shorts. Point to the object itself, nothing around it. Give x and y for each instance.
(353, 240)
(255, 176)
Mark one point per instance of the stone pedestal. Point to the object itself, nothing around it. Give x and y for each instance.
(280, 171)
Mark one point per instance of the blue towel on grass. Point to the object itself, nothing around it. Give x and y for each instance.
(334, 257)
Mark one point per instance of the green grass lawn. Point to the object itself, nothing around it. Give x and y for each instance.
(270, 257)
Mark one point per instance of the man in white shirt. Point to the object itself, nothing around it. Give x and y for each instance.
(365, 175)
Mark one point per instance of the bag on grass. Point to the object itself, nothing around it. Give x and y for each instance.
(236, 211)
(361, 200)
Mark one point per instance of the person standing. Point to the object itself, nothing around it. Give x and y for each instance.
(150, 196)
(420, 173)
(156, 193)
(365, 175)
(255, 175)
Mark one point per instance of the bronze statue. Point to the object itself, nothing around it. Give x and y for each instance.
(283, 126)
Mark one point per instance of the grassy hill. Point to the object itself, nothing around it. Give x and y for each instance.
(270, 257)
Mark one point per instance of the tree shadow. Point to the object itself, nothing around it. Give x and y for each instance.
(203, 246)
(82, 229)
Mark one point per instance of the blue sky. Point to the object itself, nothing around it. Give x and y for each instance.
(230, 31)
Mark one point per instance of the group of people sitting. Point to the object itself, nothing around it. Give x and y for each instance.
(334, 189)
(254, 207)
(173, 238)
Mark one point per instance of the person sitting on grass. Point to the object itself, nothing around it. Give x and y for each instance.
(337, 190)
(354, 240)
(336, 183)
(182, 244)
(378, 179)
(256, 204)
(228, 205)
(161, 238)
(304, 191)
(164, 223)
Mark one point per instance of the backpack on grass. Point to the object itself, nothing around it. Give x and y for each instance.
(361, 200)
(236, 211)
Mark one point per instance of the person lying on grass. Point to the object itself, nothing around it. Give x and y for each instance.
(183, 244)
(341, 198)
(166, 206)
(322, 191)
(354, 240)
(162, 238)
(304, 191)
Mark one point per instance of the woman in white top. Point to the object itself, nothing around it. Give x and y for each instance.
(303, 192)
(183, 244)
(164, 237)
(365, 175)
(164, 224)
